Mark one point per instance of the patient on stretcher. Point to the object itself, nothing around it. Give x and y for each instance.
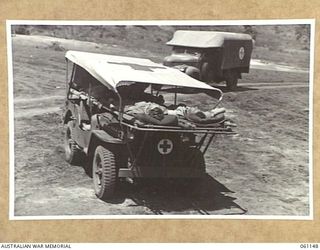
(153, 113)
(196, 115)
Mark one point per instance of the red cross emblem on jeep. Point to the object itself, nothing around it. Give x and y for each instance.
(165, 146)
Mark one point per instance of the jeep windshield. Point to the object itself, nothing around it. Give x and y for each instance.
(183, 50)
(165, 95)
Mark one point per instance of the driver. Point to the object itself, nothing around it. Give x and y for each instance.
(136, 93)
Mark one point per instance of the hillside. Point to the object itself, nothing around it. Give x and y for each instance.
(287, 44)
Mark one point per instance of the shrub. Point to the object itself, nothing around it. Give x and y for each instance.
(56, 46)
(20, 29)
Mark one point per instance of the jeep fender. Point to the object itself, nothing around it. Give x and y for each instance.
(104, 137)
(100, 137)
(193, 72)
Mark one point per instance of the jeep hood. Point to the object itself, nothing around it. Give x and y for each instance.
(181, 58)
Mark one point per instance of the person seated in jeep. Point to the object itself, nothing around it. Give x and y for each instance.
(136, 93)
(104, 96)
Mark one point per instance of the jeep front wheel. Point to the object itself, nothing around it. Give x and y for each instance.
(104, 173)
(73, 153)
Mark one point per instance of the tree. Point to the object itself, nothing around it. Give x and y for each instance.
(302, 33)
(250, 29)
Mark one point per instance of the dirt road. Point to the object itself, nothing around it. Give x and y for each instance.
(28, 107)
(263, 170)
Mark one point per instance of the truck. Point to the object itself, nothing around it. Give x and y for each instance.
(211, 56)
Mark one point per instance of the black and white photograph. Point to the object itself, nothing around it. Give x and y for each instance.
(161, 119)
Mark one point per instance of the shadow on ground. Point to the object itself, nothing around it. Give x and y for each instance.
(224, 89)
(177, 197)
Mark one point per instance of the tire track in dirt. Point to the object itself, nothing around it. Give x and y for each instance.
(28, 107)
(35, 111)
(274, 85)
(32, 100)
(282, 87)
(263, 65)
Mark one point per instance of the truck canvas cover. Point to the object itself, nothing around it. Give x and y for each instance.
(205, 39)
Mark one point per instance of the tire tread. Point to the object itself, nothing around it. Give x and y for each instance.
(109, 173)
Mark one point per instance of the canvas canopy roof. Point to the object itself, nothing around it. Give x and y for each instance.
(205, 39)
(113, 70)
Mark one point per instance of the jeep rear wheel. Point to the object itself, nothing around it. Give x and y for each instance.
(196, 161)
(104, 173)
(73, 153)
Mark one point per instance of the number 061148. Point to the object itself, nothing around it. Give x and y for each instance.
(309, 245)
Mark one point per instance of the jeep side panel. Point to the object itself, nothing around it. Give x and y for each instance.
(80, 133)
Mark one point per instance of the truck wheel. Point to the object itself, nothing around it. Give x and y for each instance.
(104, 173)
(205, 72)
(73, 153)
(231, 79)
